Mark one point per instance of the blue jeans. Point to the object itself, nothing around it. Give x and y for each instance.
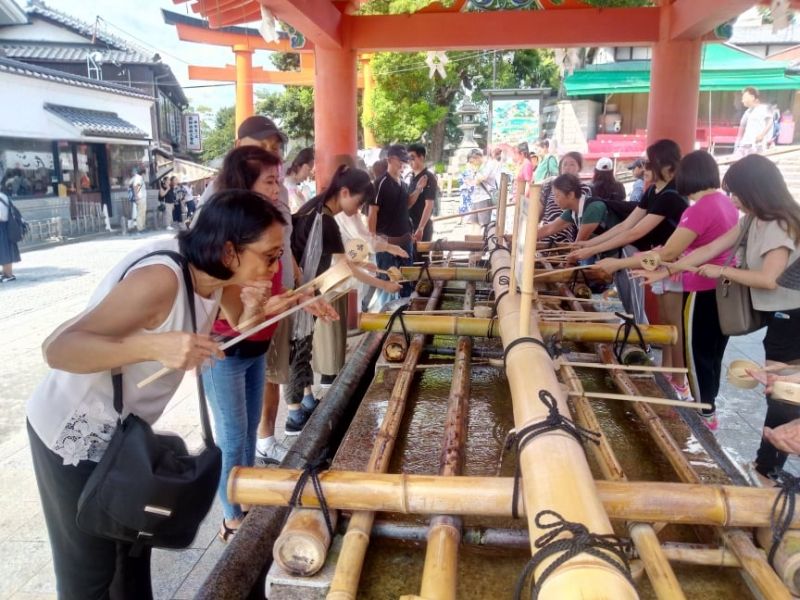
(384, 260)
(235, 390)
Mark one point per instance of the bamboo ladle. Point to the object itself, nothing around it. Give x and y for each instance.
(646, 399)
(325, 282)
(567, 270)
(651, 261)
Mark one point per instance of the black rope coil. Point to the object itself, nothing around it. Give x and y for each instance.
(623, 334)
(606, 547)
(783, 508)
(554, 421)
(490, 274)
(311, 471)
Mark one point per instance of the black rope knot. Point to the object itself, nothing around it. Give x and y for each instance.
(552, 422)
(607, 547)
(623, 334)
(311, 471)
(783, 508)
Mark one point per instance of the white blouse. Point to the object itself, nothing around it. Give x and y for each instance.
(73, 413)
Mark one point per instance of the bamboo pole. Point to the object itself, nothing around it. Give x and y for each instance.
(563, 482)
(643, 368)
(579, 332)
(646, 399)
(527, 291)
(476, 211)
(344, 585)
(754, 564)
(787, 556)
(502, 203)
(446, 245)
(699, 554)
(646, 501)
(303, 544)
(439, 575)
(644, 537)
(445, 273)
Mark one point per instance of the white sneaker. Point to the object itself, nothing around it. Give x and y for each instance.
(273, 456)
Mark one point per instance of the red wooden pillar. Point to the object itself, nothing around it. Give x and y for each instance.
(674, 92)
(335, 110)
(244, 83)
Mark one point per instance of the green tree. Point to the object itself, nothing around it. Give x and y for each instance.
(286, 61)
(219, 140)
(293, 109)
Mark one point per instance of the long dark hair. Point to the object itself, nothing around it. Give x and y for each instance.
(605, 185)
(304, 157)
(698, 171)
(243, 166)
(355, 180)
(661, 155)
(236, 216)
(760, 187)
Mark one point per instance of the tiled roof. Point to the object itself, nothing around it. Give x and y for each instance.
(39, 8)
(97, 122)
(16, 67)
(24, 51)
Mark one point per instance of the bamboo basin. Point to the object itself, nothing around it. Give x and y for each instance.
(786, 391)
(737, 374)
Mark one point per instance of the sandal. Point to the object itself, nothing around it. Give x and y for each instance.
(226, 533)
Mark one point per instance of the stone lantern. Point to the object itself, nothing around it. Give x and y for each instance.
(467, 122)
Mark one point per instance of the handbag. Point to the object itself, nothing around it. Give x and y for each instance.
(147, 489)
(17, 227)
(734, 303)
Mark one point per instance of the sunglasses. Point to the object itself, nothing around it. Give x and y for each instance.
(269, 259)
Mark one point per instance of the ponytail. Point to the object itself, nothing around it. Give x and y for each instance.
(355, 180)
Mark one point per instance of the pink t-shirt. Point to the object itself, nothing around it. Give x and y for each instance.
(525, 172)
(710, 217)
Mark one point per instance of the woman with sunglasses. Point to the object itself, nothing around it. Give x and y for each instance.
(757, 187)
(138, 320)
(235, 386)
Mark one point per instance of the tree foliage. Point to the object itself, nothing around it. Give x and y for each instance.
(292, 109)
(217, 141)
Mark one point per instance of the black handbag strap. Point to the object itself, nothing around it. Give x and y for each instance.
(741, 240)
(116, 377)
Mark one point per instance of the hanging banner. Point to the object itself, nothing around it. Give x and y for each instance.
(194, 139)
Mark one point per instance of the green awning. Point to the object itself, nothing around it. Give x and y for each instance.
(724, 68)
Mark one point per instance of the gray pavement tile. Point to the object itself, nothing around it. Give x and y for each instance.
(198, 575)
(33, 596)
(32, 529)
(19, 562)
(209, 527)
(170, 568)
(43, 583)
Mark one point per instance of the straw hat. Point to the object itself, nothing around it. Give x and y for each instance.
(790, 278)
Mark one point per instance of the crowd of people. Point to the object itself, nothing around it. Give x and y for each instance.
(256, 234)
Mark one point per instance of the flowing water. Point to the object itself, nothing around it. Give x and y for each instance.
(394, 568)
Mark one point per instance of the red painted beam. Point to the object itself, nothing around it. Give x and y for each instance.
(504, 29)
(691, 19)
(235, 16)
(319, 20)
(258, 75)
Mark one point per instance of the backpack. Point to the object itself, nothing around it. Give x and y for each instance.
(17, 227)
(619, 208)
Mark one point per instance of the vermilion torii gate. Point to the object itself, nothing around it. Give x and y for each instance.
(674, 29)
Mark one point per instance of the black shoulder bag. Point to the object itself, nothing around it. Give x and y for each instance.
(17, 227)
(148, 490)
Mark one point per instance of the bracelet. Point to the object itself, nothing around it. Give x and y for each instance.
(721, 271)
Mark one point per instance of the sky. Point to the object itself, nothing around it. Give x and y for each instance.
(141, 22)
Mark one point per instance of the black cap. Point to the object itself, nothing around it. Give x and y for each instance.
(639, 162)
(259, 128)
(398, 151)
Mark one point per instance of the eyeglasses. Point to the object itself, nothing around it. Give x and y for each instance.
(269, 259)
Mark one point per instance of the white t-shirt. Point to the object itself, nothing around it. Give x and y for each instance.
(73, 413)
(137, 183)
(763, 237)
(755, 121)
(4, 208)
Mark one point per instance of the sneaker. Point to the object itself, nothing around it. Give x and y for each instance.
(683, 391)
(5, 278)
(296, 421)
(710, 421)
(274, 456)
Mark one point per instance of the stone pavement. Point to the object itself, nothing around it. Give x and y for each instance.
(53, 285)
